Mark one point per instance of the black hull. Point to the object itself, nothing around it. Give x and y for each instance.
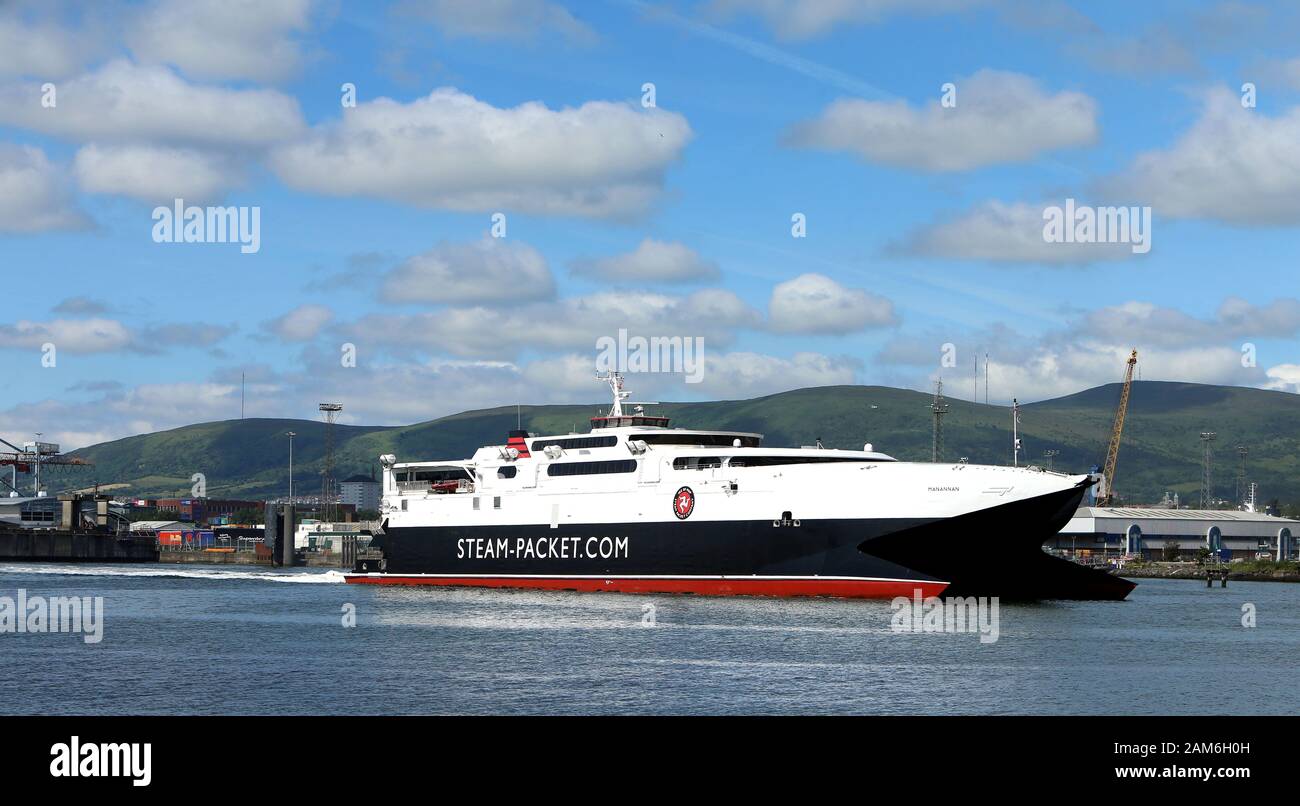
(998, 552)
(994, 552)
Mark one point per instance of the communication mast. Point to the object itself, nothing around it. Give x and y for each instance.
(331, 411)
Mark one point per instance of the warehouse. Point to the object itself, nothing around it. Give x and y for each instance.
(1123, 530)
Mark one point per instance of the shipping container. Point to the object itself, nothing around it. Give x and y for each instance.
(187, 538)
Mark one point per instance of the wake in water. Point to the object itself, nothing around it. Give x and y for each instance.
(211, 574)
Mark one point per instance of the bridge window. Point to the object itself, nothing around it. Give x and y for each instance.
(701, 440)
(435, 475)
(575, 443)
(507, 472)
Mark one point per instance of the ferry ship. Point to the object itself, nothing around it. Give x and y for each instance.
(641, 507)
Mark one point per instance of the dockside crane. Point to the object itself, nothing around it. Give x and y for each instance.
(1112, 452)
(31, 457)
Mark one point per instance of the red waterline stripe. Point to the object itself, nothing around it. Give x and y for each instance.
(731, 586)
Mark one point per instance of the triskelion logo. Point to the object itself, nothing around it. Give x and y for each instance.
(684, 503)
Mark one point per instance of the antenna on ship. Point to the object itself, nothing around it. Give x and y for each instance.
(1015, 432)
(615, 381)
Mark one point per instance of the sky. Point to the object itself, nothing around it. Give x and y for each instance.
(456, 201)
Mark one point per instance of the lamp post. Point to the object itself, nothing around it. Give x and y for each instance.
(291, 436)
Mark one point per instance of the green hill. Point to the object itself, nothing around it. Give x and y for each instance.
(1161, 449)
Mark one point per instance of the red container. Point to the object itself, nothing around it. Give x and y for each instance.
(169, 538)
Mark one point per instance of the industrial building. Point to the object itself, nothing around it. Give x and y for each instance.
(1145, 532)
(362, 492)
(60, 512)
(199, 510)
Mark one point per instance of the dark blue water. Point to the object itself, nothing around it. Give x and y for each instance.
(253, 641)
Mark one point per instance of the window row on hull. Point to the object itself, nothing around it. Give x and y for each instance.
(591, 468)
(707, 462)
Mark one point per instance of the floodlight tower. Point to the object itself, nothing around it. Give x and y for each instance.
(1242, 450)
(1207, 467)
(331, 411)
(1049, 455)
(938, 408)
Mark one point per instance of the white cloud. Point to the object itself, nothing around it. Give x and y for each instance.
(449, 150)
(123, 102)
(41, 48)
(801, 19)
(156, 174)
(67, 335)
(999, 117)
(223, 39)
(569, 324)
(814, 303)
(732, 375)
(1284, 378)
(1090, 349)
(744, 374)
(1234, 165)
(303, 323)
(500, 19)
(489, 270)
(97, 334)
(1061, 369)
(1000, 232)
(117, 412)
(34, 196)
(1147, 323)
(153, 136)
(652, 261)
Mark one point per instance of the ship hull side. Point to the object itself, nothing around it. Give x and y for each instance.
(817, 558)
(995, 551)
